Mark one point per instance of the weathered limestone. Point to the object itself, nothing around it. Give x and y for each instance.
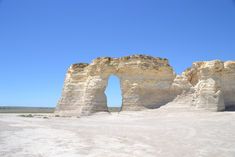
(146, 83)
(228, 83)
(212, 86)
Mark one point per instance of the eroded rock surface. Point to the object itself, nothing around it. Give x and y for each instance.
(212, 86)
(146, 83)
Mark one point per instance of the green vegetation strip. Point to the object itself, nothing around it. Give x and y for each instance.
(10, 109)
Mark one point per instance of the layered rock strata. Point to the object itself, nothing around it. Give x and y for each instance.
(210, 86)
(147, 83)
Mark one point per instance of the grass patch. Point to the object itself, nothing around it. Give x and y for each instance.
(28, 115)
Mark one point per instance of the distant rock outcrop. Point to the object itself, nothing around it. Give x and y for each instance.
(147, 83)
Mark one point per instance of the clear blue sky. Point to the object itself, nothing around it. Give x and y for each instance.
(39, 39)
(113, 92)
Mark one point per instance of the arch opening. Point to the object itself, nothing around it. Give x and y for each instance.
(114, 94)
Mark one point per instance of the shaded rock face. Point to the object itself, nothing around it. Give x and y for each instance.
(146, 83)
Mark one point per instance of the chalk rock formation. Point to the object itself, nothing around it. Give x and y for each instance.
(147, 83)
(211, 86)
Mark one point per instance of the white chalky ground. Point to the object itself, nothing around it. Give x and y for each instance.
(152, 133)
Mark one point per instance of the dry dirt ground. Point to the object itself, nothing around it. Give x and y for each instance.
(152, 133)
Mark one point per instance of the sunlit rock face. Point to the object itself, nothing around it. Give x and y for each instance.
(147, 83)
(212, 86)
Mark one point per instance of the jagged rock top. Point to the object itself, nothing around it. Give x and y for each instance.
(131, 57)
(139, 61)
(206, 69)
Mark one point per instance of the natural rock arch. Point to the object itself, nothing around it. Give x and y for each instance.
(113, 93)
(146, 83)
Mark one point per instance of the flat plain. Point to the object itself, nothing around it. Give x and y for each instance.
(151, 133)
